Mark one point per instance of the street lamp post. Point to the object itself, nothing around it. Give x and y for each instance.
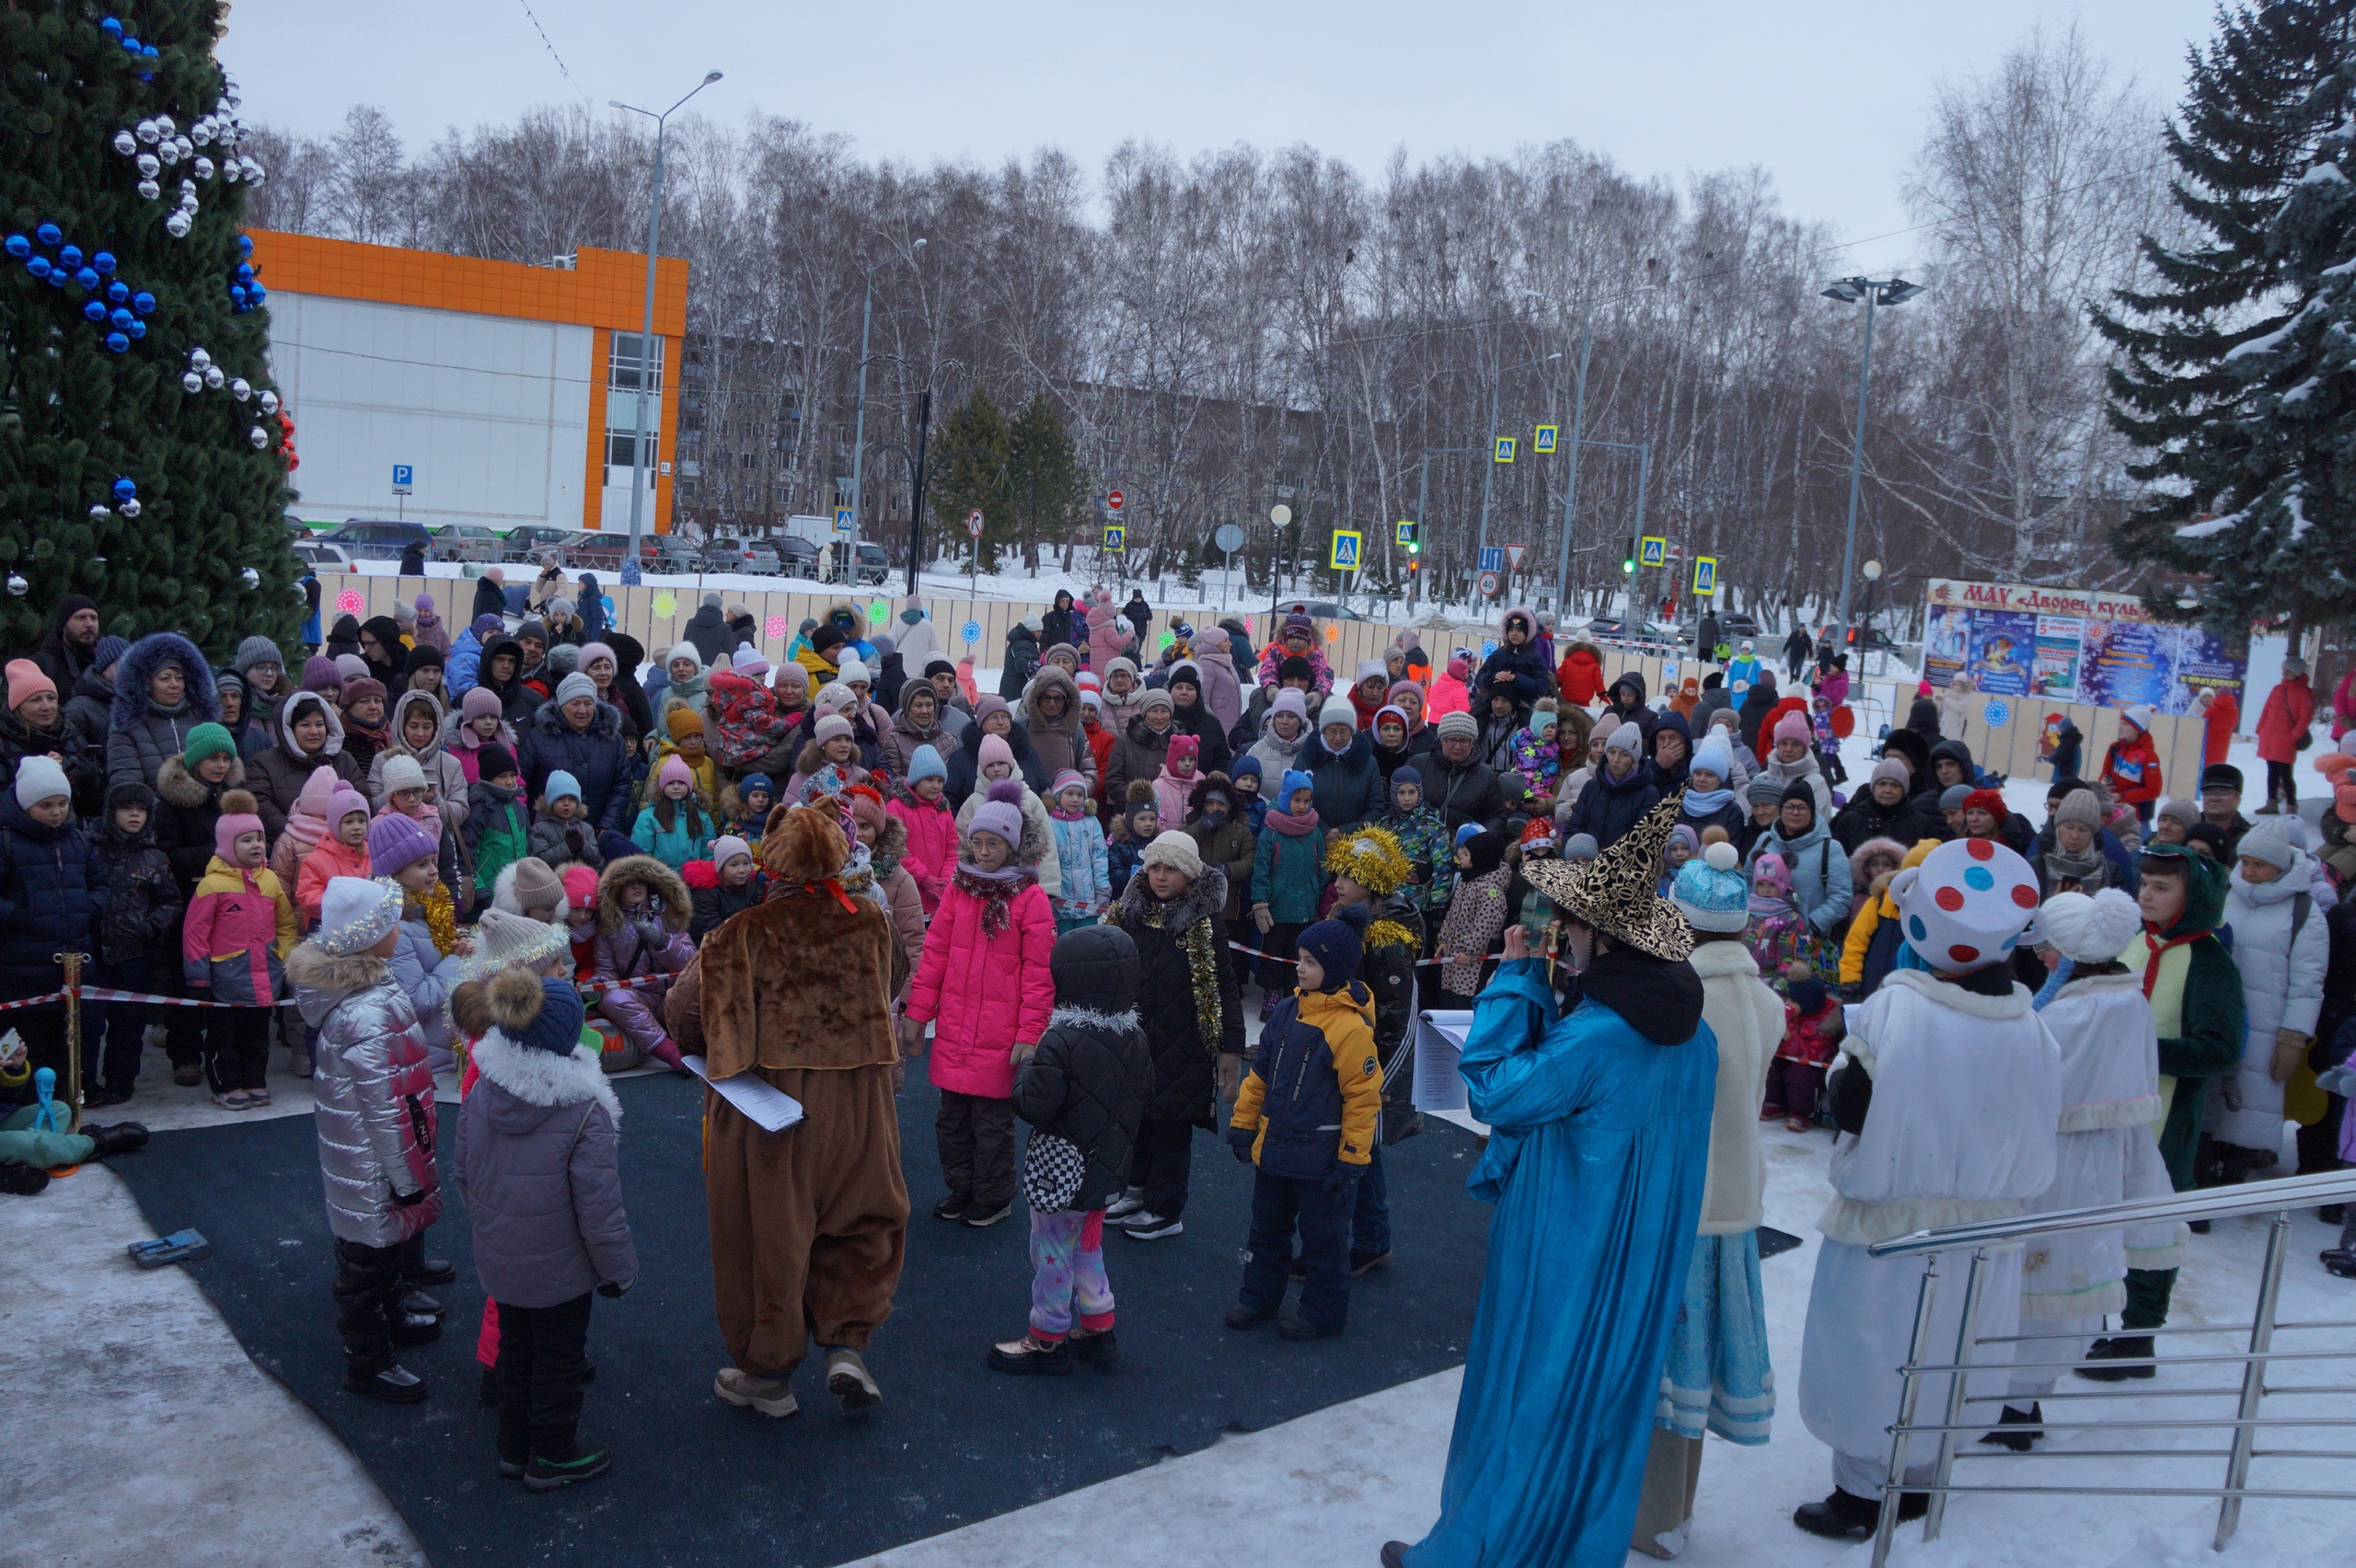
(630, 571)
(1874, 291)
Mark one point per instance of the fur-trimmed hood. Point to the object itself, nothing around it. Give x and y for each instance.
(183, 788)
(541, 1078)
(1075, 1017)
(321, 979)
(858, 629)
(1051, 676)
(658, 879)
(398, 744)
(1204, 896)
(203, 703)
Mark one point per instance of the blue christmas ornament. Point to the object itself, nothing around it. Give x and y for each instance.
(103, 262)
(137, 329)
(151, 52)
(89, 279)
(237, 293)
(94, 310)
(143, 302)
(131, 44)
(70, 255)
(120, 317)
(57, 276)
(245, 245)
(256, 294)
(19, 246)
(118, 342)
(244, 271)
(38, 266)
(49, 233)
(111, 27)
(119, 292)
(125, 490)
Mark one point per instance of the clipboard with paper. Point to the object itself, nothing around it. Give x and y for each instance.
(1439, 1075)
(764, 1104)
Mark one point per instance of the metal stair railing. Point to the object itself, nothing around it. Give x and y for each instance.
(1983, 1238)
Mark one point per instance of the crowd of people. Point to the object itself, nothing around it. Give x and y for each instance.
(533, 854)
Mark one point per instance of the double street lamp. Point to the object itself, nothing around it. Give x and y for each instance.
(1872, 292)
(646, 339)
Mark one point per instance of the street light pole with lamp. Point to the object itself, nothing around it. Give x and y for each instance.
(630, 571)
(1874, 291)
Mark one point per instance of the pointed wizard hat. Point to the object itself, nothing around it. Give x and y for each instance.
(1617, 893)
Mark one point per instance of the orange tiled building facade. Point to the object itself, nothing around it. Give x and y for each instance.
(506, 392)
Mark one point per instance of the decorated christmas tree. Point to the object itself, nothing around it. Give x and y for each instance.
(143, 454)
(2225, 381)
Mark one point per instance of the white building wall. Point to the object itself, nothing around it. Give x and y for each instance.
(491, 413)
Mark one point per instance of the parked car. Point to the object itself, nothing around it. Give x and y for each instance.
(725, 554)
(874, 566)
(1642, 633)
(468, 541)
(797, 557)
(321, 556)
(1322, 609)
(673, 553)
(376, 540)
(531, 544)
(594, 550)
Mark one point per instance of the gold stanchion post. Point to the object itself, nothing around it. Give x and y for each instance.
(72, 962)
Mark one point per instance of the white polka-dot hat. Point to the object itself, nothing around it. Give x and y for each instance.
(1968, 906)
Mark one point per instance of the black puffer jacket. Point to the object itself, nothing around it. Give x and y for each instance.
(1087, 1082)
(1464, 792)
(85, 767)
(88, 707)
(143, 902)
(1181, 977)
(52, 900)
(142, 737)
(1021, 661)
(186, 809)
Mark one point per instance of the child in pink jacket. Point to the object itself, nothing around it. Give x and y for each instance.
(932, 827)
(984, 982)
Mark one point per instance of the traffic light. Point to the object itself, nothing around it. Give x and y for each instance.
(1628, 565)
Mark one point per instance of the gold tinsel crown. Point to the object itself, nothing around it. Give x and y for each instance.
(1370, 857)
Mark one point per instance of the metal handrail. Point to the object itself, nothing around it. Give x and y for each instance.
(1982, 1238)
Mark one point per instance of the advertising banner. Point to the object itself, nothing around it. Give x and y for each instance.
(2069, 645)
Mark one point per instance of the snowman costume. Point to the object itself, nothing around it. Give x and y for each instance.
(1948, 1092)
(2106, 1151)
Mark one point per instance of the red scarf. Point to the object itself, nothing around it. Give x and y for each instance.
(2160, 947)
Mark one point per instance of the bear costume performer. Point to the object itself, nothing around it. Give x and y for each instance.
(809, 1224)
(1948, 1094)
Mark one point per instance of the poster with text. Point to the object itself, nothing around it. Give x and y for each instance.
(2203, 663)
(2125, 663)
(2002, 644)
(1946, 641)
(2058, 647)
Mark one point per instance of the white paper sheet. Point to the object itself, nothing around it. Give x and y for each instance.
(768, 1107)
(1439, 1077)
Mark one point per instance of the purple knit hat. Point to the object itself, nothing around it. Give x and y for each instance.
(396, 841)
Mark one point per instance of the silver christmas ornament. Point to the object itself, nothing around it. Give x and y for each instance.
(149, 189)
(241, 390)
(187, 147)
(145, 131)
(97, 511)
(259, 436)
(202, 132)
(230, 171)
(269, 402)
(199, 358)
(191, 382)
(125, 143)
(148, 164)
(252, 578)
(166, 126)
(204, 169)
(213, 376)
(169, 150)
(130, 508)
(178, 225)
(17, 585)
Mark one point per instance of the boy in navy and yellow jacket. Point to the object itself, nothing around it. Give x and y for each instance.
(1308, 1114)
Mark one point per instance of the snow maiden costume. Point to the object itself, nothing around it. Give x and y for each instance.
(1948, 1094)
(1598, 1148)
(2106, 1154)
(1718, 1378)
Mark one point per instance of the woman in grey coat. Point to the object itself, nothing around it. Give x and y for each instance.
(163, 688)
(539, 1166)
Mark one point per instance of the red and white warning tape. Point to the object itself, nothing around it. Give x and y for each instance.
(109, 994)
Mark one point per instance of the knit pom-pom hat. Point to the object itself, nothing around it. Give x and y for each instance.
(1338, 944)
(1000, 815)
(2091, 930)
(239, 816)
(1709, 891)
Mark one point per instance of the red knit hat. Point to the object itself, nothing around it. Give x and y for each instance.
(1987, 800)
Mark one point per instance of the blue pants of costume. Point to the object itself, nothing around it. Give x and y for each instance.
(1279, 1203)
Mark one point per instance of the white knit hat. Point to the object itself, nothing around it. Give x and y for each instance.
(851, 670)
(2276, 840)
(683, 650)
(1337, 711)
(1626, 738)
(39, 778)
(2091, 930)
(356, 913)
(1178, 851)
(402, 773)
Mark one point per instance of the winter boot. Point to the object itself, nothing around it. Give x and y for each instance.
(1028, 1356)
(1099, 1349)
(394, 1385)
(2017, 1429)
(1845, 1515)
(1242, 1317)
(119, 1138)
(849, 1380)
(415, 1327)
(2339, 1261)
(546, 1475)
(979, 1215)
(953, 1206)
(2119, 1358)
(1131, 1200)
(23, 1180)
(432, 1271)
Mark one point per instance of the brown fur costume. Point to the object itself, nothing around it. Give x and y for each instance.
(809, 1225)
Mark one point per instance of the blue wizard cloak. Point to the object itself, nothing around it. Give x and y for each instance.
(1600, 1145)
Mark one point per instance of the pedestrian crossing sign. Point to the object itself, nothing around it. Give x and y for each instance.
(1405, 535)
(1345, 555)
(1706, 574)
(845, 522)
(1542, 440)
(1654, 551)
(1115, 535)
(1505, 444)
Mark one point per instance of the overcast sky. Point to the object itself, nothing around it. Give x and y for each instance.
(1829, 96)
